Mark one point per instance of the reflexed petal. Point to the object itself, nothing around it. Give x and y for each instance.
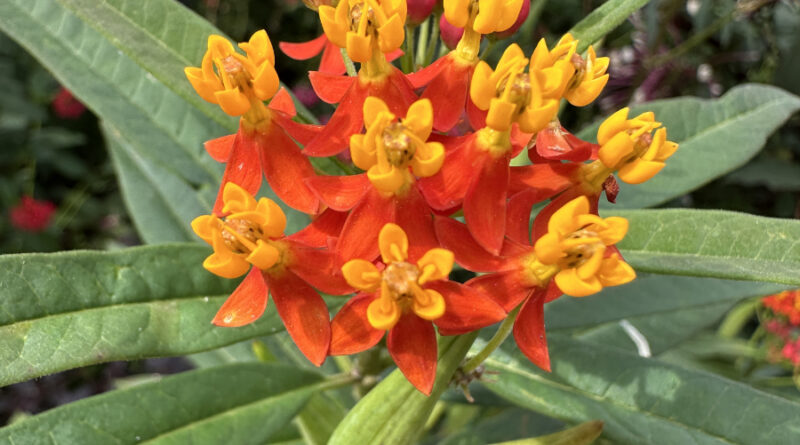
(393, 244)
(415, 217)
(424, 76)
(455, 237)
(246, 303)
(446, 189)
(324, 227)
(362, 275)
(302, 133)
(359, 236)
(332, 62)
(220, 148)
(529, 331)
(285, 168)
(304, 50)
(243, 168)
(412, 345)
(330, 88)
(283, 102)
(351, 332)
(466, 308)
(304, 314)
(319, 268)
(485, 204)
(436, 264)
(341, 193)
(345, 121)
(505, 288)
(448, 93)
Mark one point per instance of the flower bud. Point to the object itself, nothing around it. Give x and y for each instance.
(450, 34)
(523, 14)
(418, 11)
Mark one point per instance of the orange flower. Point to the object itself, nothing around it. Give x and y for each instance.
(403, 298)
(252, 235)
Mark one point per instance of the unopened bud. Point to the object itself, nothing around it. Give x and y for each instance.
(450, 34)
(419, 10)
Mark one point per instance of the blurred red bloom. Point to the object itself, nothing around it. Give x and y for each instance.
(32, 215)
(66, 106)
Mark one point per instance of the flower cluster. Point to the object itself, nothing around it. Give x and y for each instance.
(783, 325)
(431, 145)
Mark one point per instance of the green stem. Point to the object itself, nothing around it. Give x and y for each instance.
(692, 41)
(348, 63)
(336, 381)
(407, 62)
(489, 47)
(422, 45)
(433, 41)
(499, 337)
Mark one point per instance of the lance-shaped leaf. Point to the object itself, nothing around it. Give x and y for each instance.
(643, 400)
(715, 135)
(65, 310)
(666, 310)
(712, 243)
(395, 411)
(232, 404)
(603, 20)
(164, 125)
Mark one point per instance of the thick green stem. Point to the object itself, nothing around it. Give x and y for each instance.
(499, 337)
(433, 41)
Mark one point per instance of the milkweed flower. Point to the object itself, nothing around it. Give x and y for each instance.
(331, 61)
(393, 152)
(32, 215)
(66, 106)
(576, 257)
(448, 79)
(402, 299)
(368, 30)
(566, 74)
(239, 84)
(250, 238)
(786, 303)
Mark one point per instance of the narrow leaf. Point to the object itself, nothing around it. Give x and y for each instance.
(233, 404)
(715, 135)
(643, 400)
(65, 310)
(711, 243)
(603, 20)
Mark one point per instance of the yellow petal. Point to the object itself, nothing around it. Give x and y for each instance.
(615, 229)
(533, 120)
(589, 269)
(571, 284)
(393, 244)
(266, 82)
(563, 220)
(614, 124)
(436, 264)
(615, 150)
(219, 46)
(383, 312)
(548, 248)
(639, 171)
(391, 34)
(205, 226)
(614, 272)
(264, 255)
(335, 29)
(586, 92)
(419, 118)
(489, 13)
(362, 275)
(359, 47)
(501, 114)
(223, 262)
(259, 48)
(233, 101)
(361, 156)
(204, 86)
(457, 12)
(482, 90)
(236, 199)
(389, 181)
(509, 14)
(275, 222)
(428, 304)
(428, 159)
(374, 108)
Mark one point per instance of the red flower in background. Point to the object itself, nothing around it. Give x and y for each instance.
(31, 215)
(66, 106)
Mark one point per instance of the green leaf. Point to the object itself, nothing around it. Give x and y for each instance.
(167, 128)
(65, 310)
(161, 204)
(666, 310)
(716, 136)
(489, 426)
(712, 243)
(394, 411)
(320, 417)
(775, 174)
(643, 400)
(583, 434)
(234, 404)
(603, 20)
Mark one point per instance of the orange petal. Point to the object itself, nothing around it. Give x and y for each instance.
(330, 88)
(304, 314)
(485, 204)
(332, 62)
(341, 193)
(448, 94)
(351, 332)
(302, 133)
(505, 288)
(345, 121)
(283, 102)
(304, 50)
(319, 268)
(466, 308)
(243, 167)
(412, 345)
(529, 331)
(359, 237)
(557, 144)
(220, 148)
(246, 303)
(322, 229)
(416, 218)
(285, 168)
(446, 189)
(455, 236)
(424, 76)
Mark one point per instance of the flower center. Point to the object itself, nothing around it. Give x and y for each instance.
(363, 12)
(516, 89)
(583, 245)
(580, 70)
(240, 235)
(400, 278)
(398, 144)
